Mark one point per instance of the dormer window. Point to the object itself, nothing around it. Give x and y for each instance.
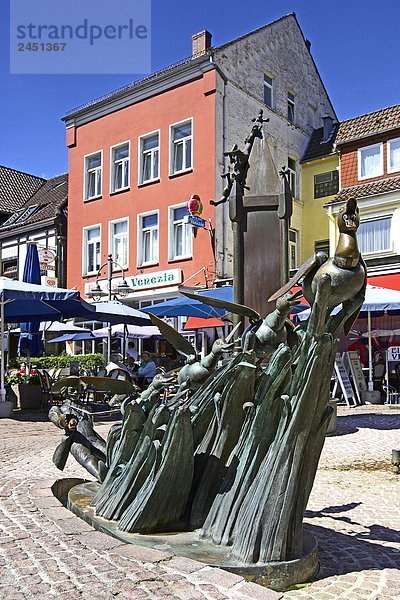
(393, 154)
(370, 161)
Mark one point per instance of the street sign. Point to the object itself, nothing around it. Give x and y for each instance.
(195, 221)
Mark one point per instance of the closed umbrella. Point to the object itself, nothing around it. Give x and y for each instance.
(30, 339)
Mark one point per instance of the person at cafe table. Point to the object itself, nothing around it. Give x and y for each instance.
(147, 369)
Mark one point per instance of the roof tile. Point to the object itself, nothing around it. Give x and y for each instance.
(365, 190)
(372, 123)
(51, 196)
(16, 187)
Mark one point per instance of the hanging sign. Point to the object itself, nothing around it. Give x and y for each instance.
(195, 208)
(47, 256)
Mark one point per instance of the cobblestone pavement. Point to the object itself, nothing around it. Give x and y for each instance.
(354, 512)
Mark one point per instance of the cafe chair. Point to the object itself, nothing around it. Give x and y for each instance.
(392, 395)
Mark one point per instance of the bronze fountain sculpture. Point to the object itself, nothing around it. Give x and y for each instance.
(233, 455)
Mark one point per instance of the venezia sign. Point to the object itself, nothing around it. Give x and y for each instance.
(156, 279)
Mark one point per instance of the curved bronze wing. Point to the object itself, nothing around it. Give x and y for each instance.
(237, 309)
(177, 340)
(318, 259)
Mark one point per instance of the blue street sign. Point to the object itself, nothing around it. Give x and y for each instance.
(195, 221)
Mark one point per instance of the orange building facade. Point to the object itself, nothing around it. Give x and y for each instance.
(131, 172)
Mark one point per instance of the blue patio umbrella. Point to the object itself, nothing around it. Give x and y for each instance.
(190, 307)
(30, 340)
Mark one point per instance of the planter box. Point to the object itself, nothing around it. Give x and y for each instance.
(27, 396)
(6, 409)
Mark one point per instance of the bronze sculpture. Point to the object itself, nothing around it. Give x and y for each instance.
(234, 452)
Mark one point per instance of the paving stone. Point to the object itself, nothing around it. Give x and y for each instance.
(256, 592)
(184, 565)
(218, 577)
(352, 511)
(98, 540)
(140, 553)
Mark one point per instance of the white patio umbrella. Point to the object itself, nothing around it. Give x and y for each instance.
(377, 299)
(130, 331)
(56, 327)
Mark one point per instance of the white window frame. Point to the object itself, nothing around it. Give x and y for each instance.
(379, 217)
(296, 246)
(389, 169)
(143, 137)
(271, 87)
(292, 103)
(171, 235)
(122, 160)
(85, 230)
(111, 241)
(85, 175)
(293, 177)
(359, 162)
(140, 261)
(172, 147)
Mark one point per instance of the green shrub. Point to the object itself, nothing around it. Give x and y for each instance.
(90, 363)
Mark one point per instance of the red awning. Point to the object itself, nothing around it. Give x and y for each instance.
(199, 323)
(390, 281)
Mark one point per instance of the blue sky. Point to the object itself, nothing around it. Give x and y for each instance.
(355, 45)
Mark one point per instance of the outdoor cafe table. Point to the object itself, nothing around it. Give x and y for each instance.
(92, 385)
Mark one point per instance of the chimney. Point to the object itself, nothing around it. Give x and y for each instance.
(328, 125)
(201, 42)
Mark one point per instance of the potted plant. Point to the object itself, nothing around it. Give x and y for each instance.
(25, 389)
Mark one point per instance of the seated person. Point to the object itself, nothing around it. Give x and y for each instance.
(147, 369)
(131, 356)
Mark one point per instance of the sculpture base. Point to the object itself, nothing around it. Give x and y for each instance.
(275, 575)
